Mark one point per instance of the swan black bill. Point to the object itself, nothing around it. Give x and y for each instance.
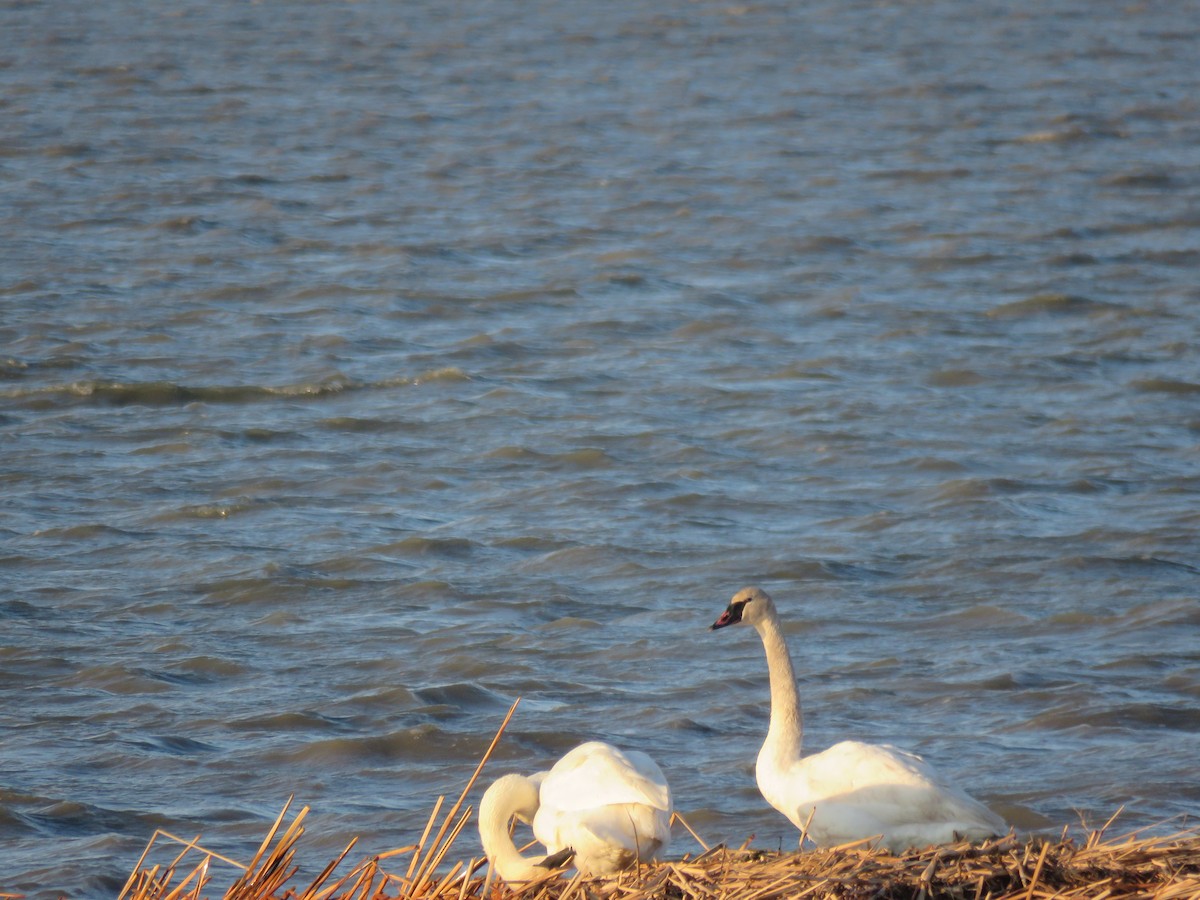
(731, 616)
(558, 860)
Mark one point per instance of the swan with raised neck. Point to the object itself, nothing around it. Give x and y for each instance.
(853, 790)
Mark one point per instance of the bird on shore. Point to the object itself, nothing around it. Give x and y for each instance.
(599, 807)
(852, 790)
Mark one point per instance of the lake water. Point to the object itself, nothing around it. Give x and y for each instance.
(364, 366)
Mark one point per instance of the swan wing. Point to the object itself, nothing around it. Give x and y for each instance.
(860, 790)
(606, 839)
(853, 764)
(598, 774)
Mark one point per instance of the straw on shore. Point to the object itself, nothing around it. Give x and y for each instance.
(1097, 867)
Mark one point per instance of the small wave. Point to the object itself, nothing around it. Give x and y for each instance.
(531, 543)
(278, 583)
(448, 547)
(85, 532)
(462, 696)
(571, 623)
(446, 373)
(207, 669)
(424, 743)
(1141, 716)
(242, 590)
(174, 745)
(922, 176)
(975, 488)
(1156, 180)
(169, 393)
(211, 510)
(568, 559)
(1052, 304)
(585, 458)
(386, 699)
(1165, 386)
(119, 680)
(63, 818)
(358, 425)
(981, 614)
(305, 722)
(1069, 133)
(955, 378)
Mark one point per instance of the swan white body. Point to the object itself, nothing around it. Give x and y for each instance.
(611, 809)
(852, 790)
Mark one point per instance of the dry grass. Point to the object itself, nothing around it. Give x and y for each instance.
(1098, 867)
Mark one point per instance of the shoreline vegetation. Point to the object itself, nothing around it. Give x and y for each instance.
(1005, 868)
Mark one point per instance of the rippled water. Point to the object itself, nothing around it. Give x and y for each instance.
(367, 365)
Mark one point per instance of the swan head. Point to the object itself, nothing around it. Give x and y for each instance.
(750, 605)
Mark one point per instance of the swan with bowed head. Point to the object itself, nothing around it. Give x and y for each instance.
(602, 808)
(852, 790)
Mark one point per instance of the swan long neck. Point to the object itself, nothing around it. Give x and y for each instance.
(500, 803)
(787, 727)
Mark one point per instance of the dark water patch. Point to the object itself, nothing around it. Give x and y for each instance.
(19, 609)
(688, 725)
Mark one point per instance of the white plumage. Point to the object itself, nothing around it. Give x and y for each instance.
(852, 790)
(611, 809)
(511, 795)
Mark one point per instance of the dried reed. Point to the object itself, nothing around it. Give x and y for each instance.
(1007, 868)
